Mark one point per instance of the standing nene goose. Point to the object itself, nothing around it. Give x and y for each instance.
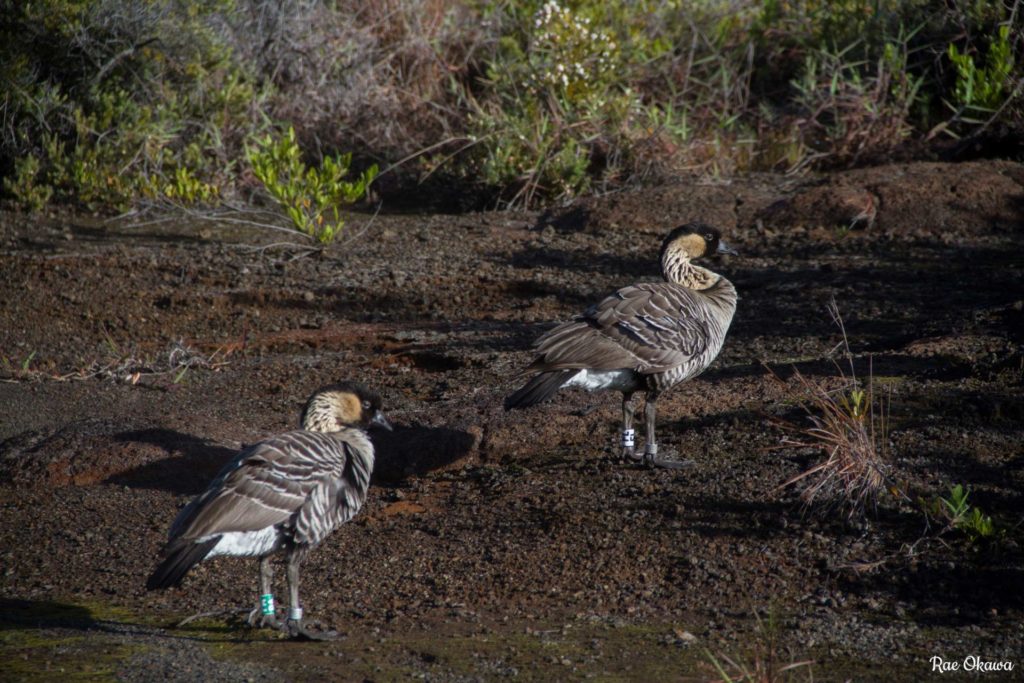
(287, 493)
(646, 337)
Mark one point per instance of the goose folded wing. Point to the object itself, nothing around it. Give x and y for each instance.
(649, 328)
(264, 486)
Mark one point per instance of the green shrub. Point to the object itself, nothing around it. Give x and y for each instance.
(121, 100)
(25, 185)
(105, 102)
(852, 108)
(311, 197)
(983, 87)
(962, 516)
(559, 108)
(185, 187)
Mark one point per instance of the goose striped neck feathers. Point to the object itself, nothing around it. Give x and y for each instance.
(682, 246)
(345, 404)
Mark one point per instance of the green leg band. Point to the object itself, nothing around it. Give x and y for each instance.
(267, 604)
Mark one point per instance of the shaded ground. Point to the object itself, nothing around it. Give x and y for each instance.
(506, 546)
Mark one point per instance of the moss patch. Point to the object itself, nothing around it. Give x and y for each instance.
(43, 641)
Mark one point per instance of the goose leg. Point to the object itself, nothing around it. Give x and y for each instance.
(628, 433)
(294, 625)
(263, 615)
(651, 458)
(257, 618)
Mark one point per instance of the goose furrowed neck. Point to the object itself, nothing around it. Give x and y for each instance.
(677, 268)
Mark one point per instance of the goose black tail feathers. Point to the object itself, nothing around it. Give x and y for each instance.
(181, 556)
(540, 388)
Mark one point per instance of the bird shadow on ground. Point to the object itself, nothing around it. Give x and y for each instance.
(23, 614)
(44, 615)
(715, 517)
(52, 618)
(415, 451)
(193, 463)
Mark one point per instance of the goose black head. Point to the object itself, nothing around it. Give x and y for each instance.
(344, 404)
(694, 240)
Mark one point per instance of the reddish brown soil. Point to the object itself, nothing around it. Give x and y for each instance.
(507, 545)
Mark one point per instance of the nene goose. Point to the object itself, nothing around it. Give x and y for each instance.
(646, 337)
(287, 493)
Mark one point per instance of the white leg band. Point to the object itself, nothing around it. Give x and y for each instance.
(295, 614)
(651, 449)
(628, 438)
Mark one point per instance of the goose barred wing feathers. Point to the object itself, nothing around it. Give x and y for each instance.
(318, 480)
(650, 327)
(336, 499)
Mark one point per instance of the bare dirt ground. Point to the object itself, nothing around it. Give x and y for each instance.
(506, 546)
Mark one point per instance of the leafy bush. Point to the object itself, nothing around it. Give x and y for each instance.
(24, 185)
(383, 79)
(559, 107)
(962, 516)
(120, 100)
(105, 102)
(310, 196)
(984, 87)
(851, 109)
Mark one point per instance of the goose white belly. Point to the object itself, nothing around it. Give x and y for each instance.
(248, 543)
(605, 380)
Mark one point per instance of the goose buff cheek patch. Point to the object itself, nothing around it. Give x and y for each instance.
(267, 604)
(628, 438)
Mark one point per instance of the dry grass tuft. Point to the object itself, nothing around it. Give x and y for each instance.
(765, 664)
(761, 671)
(849, 425)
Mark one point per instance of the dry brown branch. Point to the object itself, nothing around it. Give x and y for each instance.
(128, 368)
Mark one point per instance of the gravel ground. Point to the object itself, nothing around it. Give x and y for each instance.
(501, 546)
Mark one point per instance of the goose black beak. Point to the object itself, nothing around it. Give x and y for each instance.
(724, 248)
(379, 420)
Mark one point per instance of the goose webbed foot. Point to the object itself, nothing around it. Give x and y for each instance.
(662, 463)
(296, 630)
(666, 460)
(628, 455)
(257, 619)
